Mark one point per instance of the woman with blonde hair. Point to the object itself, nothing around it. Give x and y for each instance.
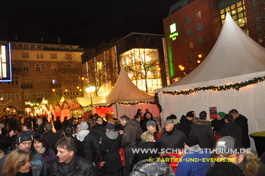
(17, 163)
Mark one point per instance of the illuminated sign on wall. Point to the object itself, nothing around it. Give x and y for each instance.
(5, 63)
(173, 32)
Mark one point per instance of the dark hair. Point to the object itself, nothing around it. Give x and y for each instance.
(43, 140)
(98, 118)
(48, 126)
(150, 115)
(124, 117)
(233, 111)
(228, 117)
(203, 115)
(68, 143)
(172, 116)
(58, 118)
(136, 117)
(190, 114)
(68, 131)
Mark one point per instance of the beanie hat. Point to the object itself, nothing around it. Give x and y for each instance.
(110, 126)
(150, 123)
(227, 145)
(222, 114)
(83, 126)
(168, 121)
(190, 114)
(24, 136)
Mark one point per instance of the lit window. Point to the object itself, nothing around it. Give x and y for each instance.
(222, 11)
(191, 45)
(238, 4)
(198, 14)
(227, 9)
(223, 16)
(233, 6)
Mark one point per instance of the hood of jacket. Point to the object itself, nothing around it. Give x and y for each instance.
(112, 135)
(201, 122)
(130, 123)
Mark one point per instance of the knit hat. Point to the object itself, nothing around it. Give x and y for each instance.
(150, 123)
(168, 121)
(227, 145)
(190, 114)
(111, 134)
(24, 136)
(110, 126)
(83, 126)
(225, 168)
(222, 114)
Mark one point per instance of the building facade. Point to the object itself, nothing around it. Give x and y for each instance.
(141, 55)
(193, 26)
(40, 71)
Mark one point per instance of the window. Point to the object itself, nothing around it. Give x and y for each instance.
(201, 40)
(54, 81)
(39, 46)
(190, 45)
(189, 32)
(32, 46)
(26, 81)
(199, 27)
(53, 56)
(25, 68)
(25, 55)
(27, 95)
(40, 56)
(198, 14)
(187, 20)
(40, 67)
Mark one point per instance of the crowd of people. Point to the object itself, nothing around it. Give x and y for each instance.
(136, 146)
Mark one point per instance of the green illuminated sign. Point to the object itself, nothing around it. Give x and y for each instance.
(173, 32)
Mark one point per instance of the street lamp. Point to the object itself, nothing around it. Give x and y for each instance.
(90, 90)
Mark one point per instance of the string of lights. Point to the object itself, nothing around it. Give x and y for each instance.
(123, 103)
(235, 86)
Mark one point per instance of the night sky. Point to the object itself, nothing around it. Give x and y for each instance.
(85, 22)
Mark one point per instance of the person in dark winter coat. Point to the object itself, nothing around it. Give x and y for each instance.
(110, 146)
(231, 128)
(99, 128)
(90, 144)
(185, 123)
(58, 124)
(147, 116)
(219, 122)
(68, 163)
(148, 144)
(5, 141)
(172, 138)
(203, 131)
(50, 136)
(242, 122)
(130, 135)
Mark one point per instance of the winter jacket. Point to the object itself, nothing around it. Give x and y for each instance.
(217, 124)
(231, 129)
(52, 139)
(152, 149)
(130, 133)
(49, 156)
(184, 126)
(37, 164)
(110, 146)
(242, 122)
(77, 167)
(99, 130)
(203, 131)
(174, 139)
(194, 168)
(91, 148)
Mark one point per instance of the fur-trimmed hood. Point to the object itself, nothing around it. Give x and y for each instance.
(201, 122)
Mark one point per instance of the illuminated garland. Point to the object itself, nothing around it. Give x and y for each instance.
(123, 103)
(236, 86)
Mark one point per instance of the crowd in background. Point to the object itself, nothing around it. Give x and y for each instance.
(107, 146)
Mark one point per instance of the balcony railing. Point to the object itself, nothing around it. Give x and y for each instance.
(56, 85)
(26, 86)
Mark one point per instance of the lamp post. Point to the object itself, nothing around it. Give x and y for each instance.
(90, 90)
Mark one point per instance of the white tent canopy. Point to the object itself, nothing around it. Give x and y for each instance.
(235, 58)
(125, 90)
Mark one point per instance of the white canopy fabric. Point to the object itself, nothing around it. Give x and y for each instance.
(125, 90)
(235, 58)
